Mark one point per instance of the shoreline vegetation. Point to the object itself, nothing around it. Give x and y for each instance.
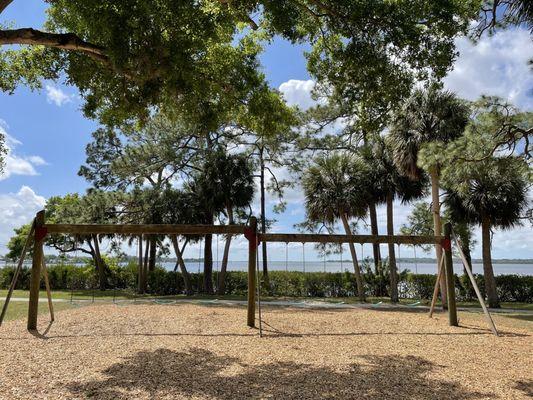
(53, 259)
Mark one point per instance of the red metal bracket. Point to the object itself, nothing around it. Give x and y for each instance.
(446, 244)
(40, 233)
(251, 236)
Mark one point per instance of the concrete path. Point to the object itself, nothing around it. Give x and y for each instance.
(308, 304)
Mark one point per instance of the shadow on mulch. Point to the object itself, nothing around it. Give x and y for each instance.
(270, 332)
(201, 373)
(526, 387)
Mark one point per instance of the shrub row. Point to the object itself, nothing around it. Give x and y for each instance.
(511, 288)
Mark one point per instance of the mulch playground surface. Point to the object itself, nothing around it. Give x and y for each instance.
(188, 351)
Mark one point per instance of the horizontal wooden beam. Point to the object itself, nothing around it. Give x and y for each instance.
(325, 238)
(92, 229)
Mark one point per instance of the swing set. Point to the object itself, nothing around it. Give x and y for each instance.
(39, 230)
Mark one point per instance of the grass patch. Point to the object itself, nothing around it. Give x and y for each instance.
(19, 309)
(128, 294)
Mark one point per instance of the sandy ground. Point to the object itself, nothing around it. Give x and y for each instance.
(190, 351)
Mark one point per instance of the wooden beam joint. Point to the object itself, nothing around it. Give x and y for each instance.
(40, 233)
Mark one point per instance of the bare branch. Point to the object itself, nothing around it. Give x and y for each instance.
(65, 41)
(4, 4)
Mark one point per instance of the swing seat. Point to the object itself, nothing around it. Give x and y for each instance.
(163, 301)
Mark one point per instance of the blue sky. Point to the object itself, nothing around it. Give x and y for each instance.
(47, 132)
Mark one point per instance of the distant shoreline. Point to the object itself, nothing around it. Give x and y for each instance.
(422, 260)
(474, 260)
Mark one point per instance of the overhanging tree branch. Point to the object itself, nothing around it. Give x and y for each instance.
(65, 41)
(4, 4)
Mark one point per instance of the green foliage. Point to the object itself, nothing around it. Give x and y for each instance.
(16, 243)
(419, 286)
(511, 288)
(156, 153)
(430, 117)
(26, 66)
(384, 177)
(419, 222)
(334, 186)
(227, 180)
(372, 52)
(515, 288)
(155, 54)
(377, 283)
(130, 57)
(495, 188)
(495, 129)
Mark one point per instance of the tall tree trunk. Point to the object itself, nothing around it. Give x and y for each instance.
(263, 218)
(392, 254)
(374, 231)
(225, 257)
(100, 265)
(437, 227)
(181, 263)
(357, 270)
(488, 272)
(140, 272)
(462, 233)
(208, 264)
(145, 265)
(153, 254)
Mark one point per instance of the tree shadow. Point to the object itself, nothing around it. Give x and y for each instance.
(200, 373)
(526, 387)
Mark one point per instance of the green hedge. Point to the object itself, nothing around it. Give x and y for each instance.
(511, 288)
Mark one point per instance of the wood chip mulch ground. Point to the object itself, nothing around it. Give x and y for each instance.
(187, 351)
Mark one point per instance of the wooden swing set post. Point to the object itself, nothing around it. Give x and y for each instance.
(450, 279)
(446, 270)
(252, 255)
(13, 284)
(35, 280)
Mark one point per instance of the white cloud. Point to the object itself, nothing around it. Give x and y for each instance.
(298, 92)
(496, 65)
(57, 96)
(16, 164)
(17, 209)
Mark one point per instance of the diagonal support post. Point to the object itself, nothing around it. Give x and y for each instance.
(13, 284)
(48, 291)
(437, 286)
(468, 269)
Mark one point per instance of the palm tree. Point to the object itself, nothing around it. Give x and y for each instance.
(207, 203)
(427, 116)
(386, 184)
(231, 176)
(178, 207)
(225, 185)
(334, 190)
(493, 194)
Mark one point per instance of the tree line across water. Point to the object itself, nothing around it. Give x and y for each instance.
(192, 133)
